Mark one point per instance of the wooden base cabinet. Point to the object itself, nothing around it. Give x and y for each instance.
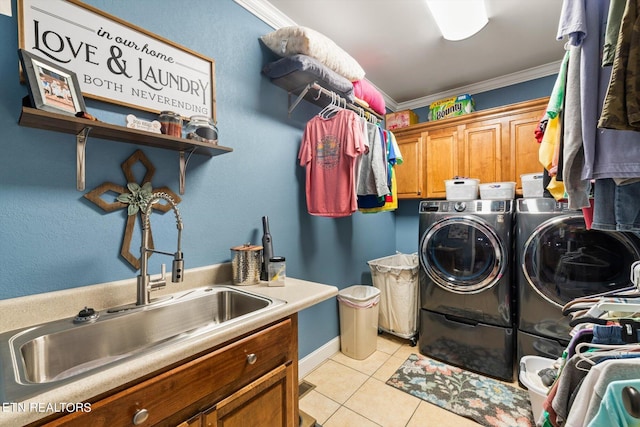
(250, 381)
(493, 145)
(261, 403)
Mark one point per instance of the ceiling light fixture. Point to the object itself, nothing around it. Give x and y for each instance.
(458, 19)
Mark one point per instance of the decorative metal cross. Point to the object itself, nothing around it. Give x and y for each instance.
(134, 198)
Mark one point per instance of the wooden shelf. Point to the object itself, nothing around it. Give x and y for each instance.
(83, 128)
(299, 84)
(40, 119)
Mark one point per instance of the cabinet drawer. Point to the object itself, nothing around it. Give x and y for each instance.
(209, 377)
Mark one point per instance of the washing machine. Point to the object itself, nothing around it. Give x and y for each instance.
(559, 260)
(466, 284)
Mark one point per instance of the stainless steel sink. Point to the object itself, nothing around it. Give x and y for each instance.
(42, 357)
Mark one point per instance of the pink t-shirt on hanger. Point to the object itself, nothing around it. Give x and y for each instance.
(329, 149)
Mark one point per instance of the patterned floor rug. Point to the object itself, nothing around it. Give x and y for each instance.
(486, 401)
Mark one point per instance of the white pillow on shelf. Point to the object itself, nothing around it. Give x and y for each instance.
(288, 41)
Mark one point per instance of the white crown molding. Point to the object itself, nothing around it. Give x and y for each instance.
(496, 83)
(273, 17)
(266, 12)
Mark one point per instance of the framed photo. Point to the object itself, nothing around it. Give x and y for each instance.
(51, 87)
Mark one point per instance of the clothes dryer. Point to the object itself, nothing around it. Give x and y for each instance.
(466, 287)
(559, 260)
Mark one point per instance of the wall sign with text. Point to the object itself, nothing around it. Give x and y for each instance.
(116, 61)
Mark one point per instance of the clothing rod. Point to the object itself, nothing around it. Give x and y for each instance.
(321, 90)
(351, 106)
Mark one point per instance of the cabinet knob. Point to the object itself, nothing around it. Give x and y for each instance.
(251, 358)
(140, 417)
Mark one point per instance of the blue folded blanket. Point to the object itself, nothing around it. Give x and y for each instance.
(296, 71)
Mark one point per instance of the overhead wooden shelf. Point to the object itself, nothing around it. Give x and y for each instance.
(82, 128)
(40, 119)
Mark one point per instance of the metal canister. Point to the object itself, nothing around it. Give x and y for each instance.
(246, 263)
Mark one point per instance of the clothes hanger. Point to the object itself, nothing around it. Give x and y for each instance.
(585, 303)
(317, 97)
(619, 307)
(605, 320)
(631, 401)
(325, 113)
(321, 112)
(588, 319)
(600, 350)
(576, 308)
(343, 103)
(605, 311)
(335, 105)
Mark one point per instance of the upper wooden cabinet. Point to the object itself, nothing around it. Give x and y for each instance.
(410, 172)
(481, 153)
(523, 146)
(441, 147)
(492, 145)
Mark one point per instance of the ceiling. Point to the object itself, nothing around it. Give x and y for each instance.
(404, 55)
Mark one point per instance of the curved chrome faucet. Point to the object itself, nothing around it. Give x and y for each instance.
(145, 284)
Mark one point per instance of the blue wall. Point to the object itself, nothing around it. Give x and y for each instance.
(52, 238)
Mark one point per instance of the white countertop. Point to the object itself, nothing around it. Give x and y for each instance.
(298, 294)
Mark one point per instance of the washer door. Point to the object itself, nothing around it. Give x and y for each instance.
(562, 260)
(463, 254)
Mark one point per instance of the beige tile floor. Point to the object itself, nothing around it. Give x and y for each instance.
(353, 393)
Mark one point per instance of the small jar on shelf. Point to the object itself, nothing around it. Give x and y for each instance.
(202, 129)
(170, 123)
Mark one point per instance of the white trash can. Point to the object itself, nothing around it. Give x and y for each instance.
(358, 309)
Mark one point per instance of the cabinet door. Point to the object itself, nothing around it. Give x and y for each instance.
(195, 421)
(409, 174)
(178, 393)
(481, 153)
(524, 146)
(264, 402)
(441, 152)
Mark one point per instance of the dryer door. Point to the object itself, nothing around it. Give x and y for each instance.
(562, 260)
(463, 254)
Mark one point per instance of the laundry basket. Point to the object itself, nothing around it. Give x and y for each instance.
(529, 368)
(397, 278)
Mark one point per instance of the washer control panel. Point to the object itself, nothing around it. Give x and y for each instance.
(469, 206)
